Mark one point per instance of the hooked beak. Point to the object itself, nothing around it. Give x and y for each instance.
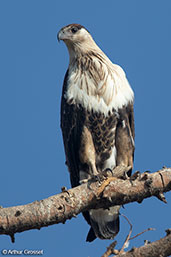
(60, 35)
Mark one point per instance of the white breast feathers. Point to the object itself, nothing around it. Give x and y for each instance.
(101, 88)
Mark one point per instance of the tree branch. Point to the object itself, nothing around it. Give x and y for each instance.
(158, 248)
(94, 194)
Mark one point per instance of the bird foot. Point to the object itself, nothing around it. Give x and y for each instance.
(83, 181)
(105, 177)
(105, 184)
(102, 175)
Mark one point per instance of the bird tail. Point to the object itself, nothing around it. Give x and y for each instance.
(104, 223)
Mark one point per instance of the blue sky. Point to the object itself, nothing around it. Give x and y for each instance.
(134, 34)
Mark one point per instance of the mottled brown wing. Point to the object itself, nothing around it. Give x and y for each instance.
(71, 131)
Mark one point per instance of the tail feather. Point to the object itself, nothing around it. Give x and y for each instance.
(91, 235)
(113, 226)
(104, 223)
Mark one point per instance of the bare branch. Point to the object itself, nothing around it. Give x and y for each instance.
(110, 249)
(58, 208)
(128, 236)
(148, 229)
(158, 248)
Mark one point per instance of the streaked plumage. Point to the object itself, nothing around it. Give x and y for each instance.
(97, 120)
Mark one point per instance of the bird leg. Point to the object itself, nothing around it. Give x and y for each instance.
(87, 155)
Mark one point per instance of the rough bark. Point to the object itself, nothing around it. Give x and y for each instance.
(94, 194)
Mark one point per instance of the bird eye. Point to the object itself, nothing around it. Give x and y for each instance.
(74, 30)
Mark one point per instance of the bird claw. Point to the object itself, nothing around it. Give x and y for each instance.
(107, 173)
(102, 175)
(107, 177)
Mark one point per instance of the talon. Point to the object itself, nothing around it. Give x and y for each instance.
(126, 175)
(107, 173)
(135, 175)
(83, 181)
(144, 176)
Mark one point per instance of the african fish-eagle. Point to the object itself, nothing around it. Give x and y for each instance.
(97, 120)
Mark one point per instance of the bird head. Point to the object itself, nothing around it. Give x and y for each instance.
(73, 33)
(77, 39)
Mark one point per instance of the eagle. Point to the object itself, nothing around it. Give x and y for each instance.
(97, 120)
